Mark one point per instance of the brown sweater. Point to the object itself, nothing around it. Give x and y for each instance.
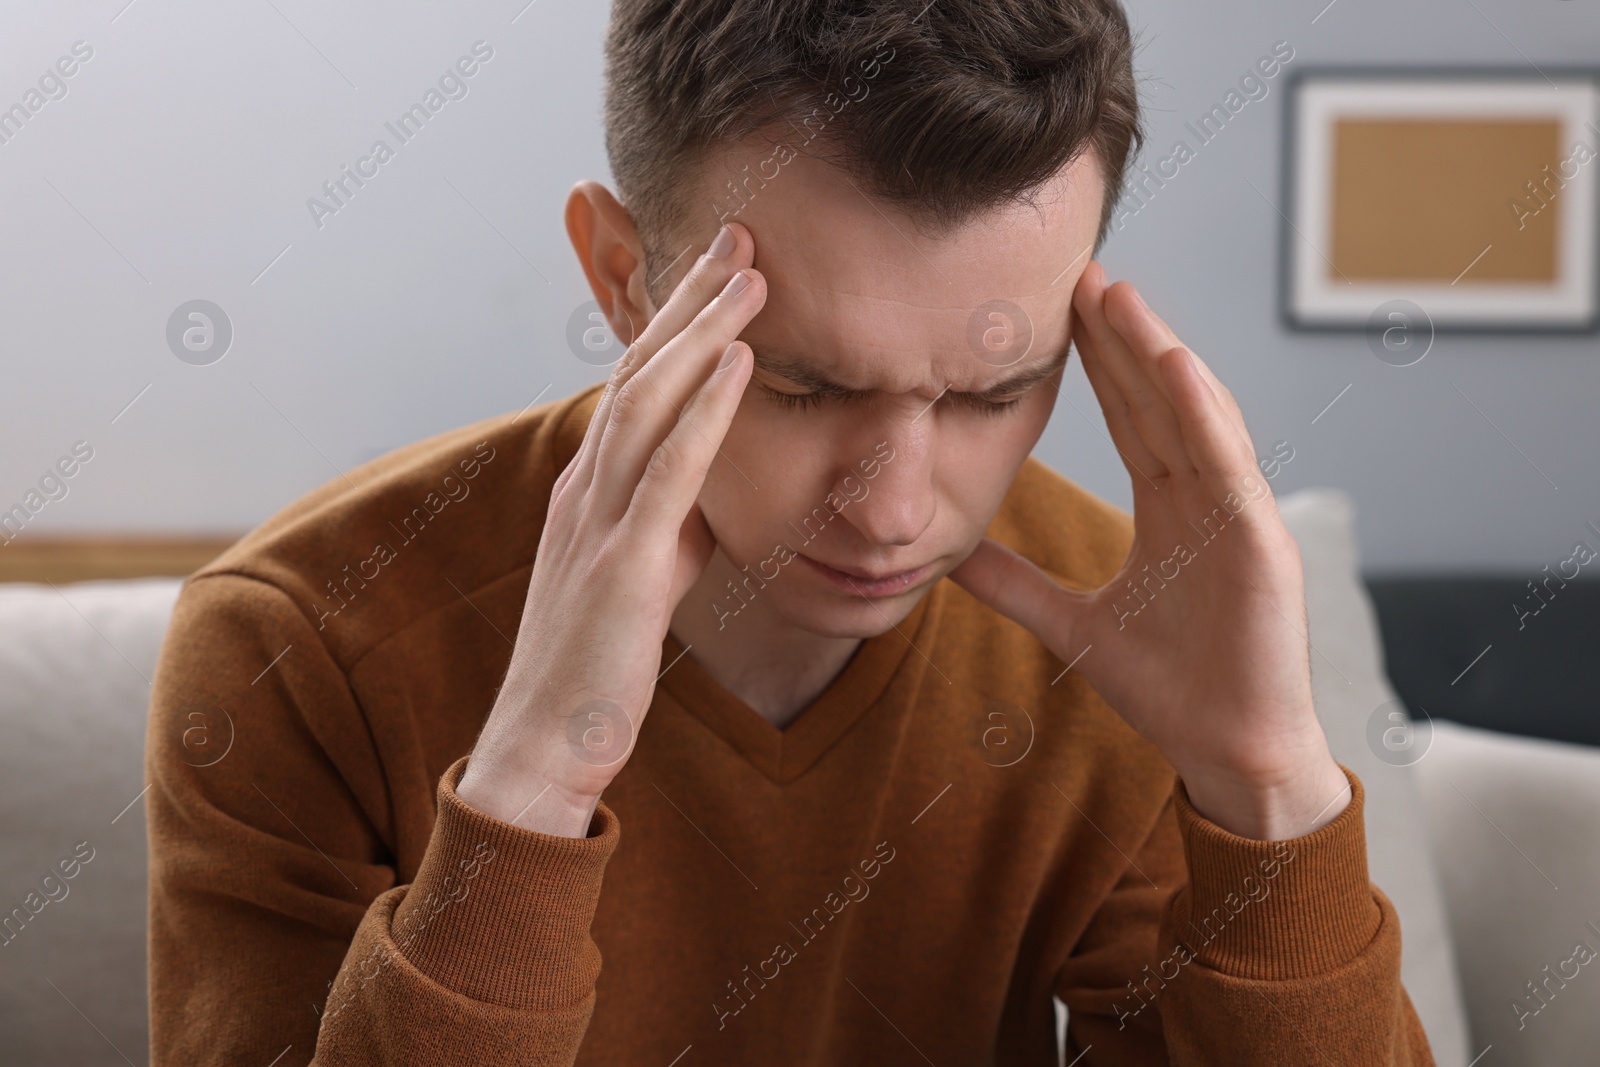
(948, 836)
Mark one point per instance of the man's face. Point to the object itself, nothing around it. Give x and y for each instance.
(903, 472)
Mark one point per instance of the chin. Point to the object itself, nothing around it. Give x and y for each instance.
(847, 617)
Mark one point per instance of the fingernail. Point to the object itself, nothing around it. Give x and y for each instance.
(1105, 280)
(736, 284)
(728, 356)
(722, 245)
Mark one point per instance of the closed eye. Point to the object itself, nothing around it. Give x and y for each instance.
(988, 407)
(793, 401)
(802, 401)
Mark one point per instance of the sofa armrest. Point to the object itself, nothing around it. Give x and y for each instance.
(1515, 824)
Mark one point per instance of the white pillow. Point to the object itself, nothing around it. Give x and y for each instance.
(74, 700)
(1349, 686)
(1517, 816)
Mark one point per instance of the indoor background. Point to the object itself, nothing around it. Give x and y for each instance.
(177, 161)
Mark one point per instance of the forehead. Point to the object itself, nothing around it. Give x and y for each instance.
(865, 295)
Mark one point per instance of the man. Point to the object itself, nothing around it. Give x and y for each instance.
(872, 816)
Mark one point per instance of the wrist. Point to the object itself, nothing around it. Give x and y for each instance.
(530, 801)
(1289, 802)
(546, 772)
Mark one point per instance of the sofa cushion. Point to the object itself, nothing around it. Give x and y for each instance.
(75, 664)
(1517, 817)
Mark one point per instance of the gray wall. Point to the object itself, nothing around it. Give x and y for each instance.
(179, 162)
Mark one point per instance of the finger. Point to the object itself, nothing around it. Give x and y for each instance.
(670, 483)
(1146, 335)
(1222, 393)
(1230, 406)
(1149, 336)
(1020, 590)
(1140, 463)
(698, 288)
(1224, 462)
(1148, 406)
(650, 405)
(704, 280)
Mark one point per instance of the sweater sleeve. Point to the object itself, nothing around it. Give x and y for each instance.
(488, 951)
(1271, 953)
(278, 933)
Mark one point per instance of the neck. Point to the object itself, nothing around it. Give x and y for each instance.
(771, 665)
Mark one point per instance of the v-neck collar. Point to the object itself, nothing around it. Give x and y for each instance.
(784, 755)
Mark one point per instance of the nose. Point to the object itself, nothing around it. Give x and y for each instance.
(896, 504)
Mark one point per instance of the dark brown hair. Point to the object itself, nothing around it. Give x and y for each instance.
(943, 110)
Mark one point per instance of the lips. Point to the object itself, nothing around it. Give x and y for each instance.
(868, 576)
(866, 583)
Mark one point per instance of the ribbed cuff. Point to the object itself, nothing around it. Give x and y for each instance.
(1276, 910)
(502, 914)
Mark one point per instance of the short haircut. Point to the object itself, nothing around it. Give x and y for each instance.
(943, 109)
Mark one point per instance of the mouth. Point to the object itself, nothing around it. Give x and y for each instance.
(866, 583)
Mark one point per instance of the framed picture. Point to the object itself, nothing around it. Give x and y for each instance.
(1467, 196)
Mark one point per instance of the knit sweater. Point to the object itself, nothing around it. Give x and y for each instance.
(955, 831)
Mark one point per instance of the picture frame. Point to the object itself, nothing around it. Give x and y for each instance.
(1466, 197)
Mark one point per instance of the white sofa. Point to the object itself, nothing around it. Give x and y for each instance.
(1487, 845)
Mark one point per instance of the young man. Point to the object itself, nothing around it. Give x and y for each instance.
(871, 816)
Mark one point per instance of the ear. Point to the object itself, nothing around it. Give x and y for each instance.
(612, 256)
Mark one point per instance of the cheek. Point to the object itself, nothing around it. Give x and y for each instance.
(757, 481)
(981, 456)
(752, 450)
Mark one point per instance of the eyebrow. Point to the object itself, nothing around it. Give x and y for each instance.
(777, 360)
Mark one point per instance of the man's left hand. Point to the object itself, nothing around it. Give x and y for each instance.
(1199, 641)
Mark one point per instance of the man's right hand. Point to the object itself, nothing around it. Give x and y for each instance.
(623, 541)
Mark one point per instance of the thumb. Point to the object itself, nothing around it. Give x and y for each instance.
(1020, 590)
